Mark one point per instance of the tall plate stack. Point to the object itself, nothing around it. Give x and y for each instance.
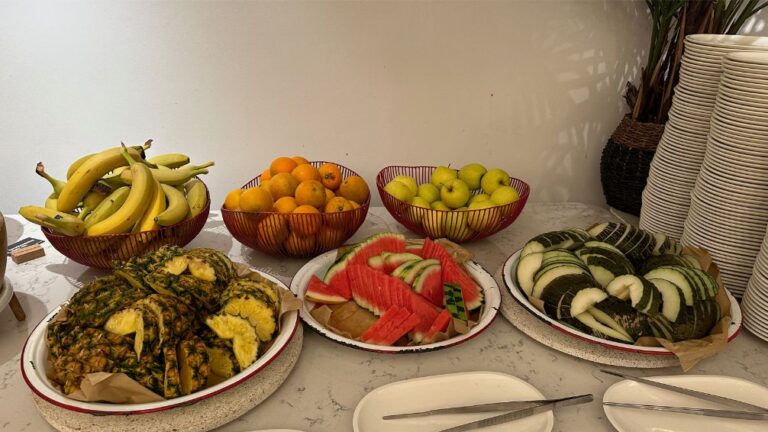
(673, 172)
(754, 305)
(729, 203)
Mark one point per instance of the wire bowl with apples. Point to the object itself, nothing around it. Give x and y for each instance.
(295, 235)
(456, 225)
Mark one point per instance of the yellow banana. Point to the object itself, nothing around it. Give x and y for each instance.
(50, 202)
(108, 206)
(90, 172)
(173, 177)
(156, 207)
(135, 205)
(177, 209)
(58, 185)
(91, 200)
(60, 222)
(170, 160)
(197, 197)
(77, 164)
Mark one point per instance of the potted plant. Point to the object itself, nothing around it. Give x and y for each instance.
(627, 156)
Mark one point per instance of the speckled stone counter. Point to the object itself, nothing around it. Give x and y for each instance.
(321, 393)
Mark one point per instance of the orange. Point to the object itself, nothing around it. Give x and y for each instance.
(329, 238)
(330, 175)
(266, 175)
(300, 160)
(232, 201)
(265, 184)
(282, 184)
(298, 245)
(354, 205)
(310, 192)
(272, 232)
(282, 165)
(306, 172)
(307, 220)
(332, 209)
(285, 204)
(256, 199)
(354, 188)
(329, 195)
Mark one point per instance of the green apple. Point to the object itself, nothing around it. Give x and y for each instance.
(480, 221)
(456, 227)
(399, 190)
(504, 195)
(442, 175)
(408, 181)
(479, 197)
(471, 174)
(415, 213)
(439, 205)
(454, 193)
(494, 179)
(429, 192)
(434, 223)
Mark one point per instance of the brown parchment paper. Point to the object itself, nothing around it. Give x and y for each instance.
(350, 320)
(119, 388)
(691, 352)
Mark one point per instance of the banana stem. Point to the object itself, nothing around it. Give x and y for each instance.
(57, 184)
(147, 144)
(127, 156)
(201, 166)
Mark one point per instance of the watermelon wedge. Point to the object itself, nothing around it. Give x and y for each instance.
(403, 327)
(378, 332)
(429, 284)
(415, 249)
(375, 245)
(320, 292)
(440, 325)
(454, 273)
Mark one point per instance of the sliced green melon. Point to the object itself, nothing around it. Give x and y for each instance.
(566, 239)
(527, 267)
(672, 299)
(679, 278)
(570, 295)
(642, 294)
(620, 316)
(603, 269)
(543, 278)
(655, 262)
(601, 330)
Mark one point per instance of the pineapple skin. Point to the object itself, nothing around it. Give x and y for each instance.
(193, 364)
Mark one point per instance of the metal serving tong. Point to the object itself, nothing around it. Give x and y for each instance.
(746, 410)
(519, 409)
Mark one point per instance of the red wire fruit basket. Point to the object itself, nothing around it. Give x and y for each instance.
(101, 251)
(295, 235)
(456, 225)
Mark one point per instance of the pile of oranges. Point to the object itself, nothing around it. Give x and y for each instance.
(293, 185)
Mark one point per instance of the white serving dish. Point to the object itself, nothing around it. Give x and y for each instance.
(320, 264)
(444, 391)
(510, 280)
(34, 365)
(638, 420)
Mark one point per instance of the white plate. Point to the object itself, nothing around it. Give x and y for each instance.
(444, 391)
(318, 266)
(34, 365)
(636, 420)
(510, 280)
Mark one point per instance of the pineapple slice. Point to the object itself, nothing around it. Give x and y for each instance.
(139, 320)
(221, 358)
(193, 364)
(222, 265)
(189, 289)
(176, 265)
(92, 305)
(201, 270)
(173, 317)
(245, 344)
(88, 352)
(247, 299)
(171, 379)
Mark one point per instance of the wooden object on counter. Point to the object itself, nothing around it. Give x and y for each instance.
(28, 253)
(16, 308)
(3, 247)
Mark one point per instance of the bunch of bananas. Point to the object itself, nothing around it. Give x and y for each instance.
(119, 190)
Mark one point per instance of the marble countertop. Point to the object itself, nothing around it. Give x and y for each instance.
(329, 379)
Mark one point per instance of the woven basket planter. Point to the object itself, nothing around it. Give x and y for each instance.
(625, 163)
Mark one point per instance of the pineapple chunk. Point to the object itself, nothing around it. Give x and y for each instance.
(222, 362)
(222, 265)
(137, 320)
(193, 364)
(176, 265)
(245, 344)
(171, 380)
(258, 314)
(201, 270)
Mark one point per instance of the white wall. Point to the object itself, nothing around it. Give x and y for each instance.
(530, 86)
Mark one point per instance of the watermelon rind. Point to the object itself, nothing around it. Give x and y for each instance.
(319, 292)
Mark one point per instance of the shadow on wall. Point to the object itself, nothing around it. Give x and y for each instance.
(598, 53)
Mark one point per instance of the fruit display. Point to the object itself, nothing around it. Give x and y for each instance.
(119, 203)
(617, 282)
(176, 321)
(461, 205)
(297, 208)
(386, 291)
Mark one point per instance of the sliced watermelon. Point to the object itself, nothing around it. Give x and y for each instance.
(377, 262)
(439, 326)
(429, 284)
(383, 326)
(375, 245)
(394, 261)
(454, 301)
(454, 273)
(320, 292)
(415, 249)
(403, 327)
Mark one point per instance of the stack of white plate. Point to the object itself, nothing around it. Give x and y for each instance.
(754, 305)
(729, 203)
(675, 168)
